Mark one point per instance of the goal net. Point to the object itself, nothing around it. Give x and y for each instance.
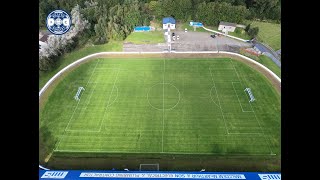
(77, 96)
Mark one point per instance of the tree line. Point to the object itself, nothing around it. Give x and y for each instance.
(213, 11)
(104, 21)
(57, 45)
(112, 19)
(115, 19)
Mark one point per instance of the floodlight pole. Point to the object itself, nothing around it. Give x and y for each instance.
(217, 43)
(169, 40)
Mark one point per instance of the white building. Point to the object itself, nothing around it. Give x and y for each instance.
(227, 27)
(168, 23)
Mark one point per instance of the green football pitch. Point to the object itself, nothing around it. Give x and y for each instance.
(170, 106)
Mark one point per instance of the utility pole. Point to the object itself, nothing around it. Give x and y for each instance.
(217, 43)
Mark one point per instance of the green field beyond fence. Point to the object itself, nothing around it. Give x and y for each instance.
(269, 33)
(151, 37)
(69, 58)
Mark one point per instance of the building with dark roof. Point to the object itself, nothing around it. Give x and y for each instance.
(43, 38)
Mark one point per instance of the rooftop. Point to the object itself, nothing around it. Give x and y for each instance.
(227, 24)
(168, 20)
(44, 38)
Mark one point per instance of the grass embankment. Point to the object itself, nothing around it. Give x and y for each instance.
(151, 37)
(265, 60)
(269, 33)
(68, 58)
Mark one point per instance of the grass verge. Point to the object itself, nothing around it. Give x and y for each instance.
(151, 37)
(69, 58)
(269, 33)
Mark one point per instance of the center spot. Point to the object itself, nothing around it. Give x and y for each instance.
(163, 96)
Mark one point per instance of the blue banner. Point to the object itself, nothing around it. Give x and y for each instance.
(138, 175)
(198, 24)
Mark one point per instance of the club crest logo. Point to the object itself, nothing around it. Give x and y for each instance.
(58, 22)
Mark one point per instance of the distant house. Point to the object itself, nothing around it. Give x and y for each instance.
(168, 23)
(43, 41)
(227, 27)
(43, 38)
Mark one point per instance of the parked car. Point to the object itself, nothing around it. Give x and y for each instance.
(213, 35)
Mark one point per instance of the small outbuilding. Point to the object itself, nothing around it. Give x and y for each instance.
(168, 23)
(43, 41)
(227, 27)
(43, 38)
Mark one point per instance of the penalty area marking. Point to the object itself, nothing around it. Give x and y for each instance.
(211, 96)
(254, 113)
(238, 97)
(115, 99)
(64, 131)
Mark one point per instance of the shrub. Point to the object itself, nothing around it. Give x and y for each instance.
(253, 32)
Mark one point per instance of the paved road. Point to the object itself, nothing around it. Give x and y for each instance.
(191, 41)
(266, 51)
(130, 47)
(201, 41)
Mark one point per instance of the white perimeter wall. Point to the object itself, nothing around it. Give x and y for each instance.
(96, 55)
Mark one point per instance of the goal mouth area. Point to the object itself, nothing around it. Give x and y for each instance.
(149, 167)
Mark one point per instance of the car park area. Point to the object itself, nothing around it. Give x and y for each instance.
(190, 41)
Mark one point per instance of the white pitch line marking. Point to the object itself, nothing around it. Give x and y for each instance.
(245, 133)
(106, 109)
(212, 97)
(77, 105)
(264, 135)
(164, 70)
(225, 125)
(237, 97)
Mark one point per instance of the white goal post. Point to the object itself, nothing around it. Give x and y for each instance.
(250, 94)
(76, 97)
